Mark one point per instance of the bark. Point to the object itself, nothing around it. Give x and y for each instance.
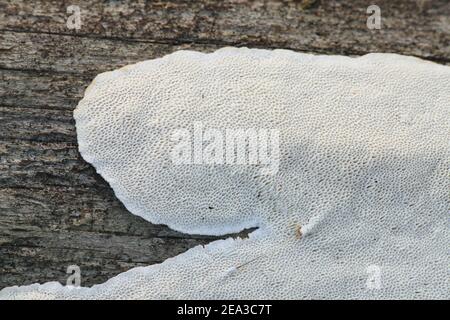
(55, 211)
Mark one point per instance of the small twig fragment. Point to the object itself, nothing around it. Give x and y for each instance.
(298, 231)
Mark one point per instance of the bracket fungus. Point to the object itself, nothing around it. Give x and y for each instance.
(363, 167)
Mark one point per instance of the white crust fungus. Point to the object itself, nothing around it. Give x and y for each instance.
(359, 207)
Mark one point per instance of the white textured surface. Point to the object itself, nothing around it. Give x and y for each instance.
(364, 170)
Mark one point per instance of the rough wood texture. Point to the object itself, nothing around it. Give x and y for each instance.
(55, 210)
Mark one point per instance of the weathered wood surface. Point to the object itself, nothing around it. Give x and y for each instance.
(55, 210)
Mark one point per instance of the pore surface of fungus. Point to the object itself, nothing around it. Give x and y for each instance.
(349, 185)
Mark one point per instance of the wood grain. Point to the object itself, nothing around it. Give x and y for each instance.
(55, 210)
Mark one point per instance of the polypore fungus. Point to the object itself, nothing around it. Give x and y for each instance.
(344, 168)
